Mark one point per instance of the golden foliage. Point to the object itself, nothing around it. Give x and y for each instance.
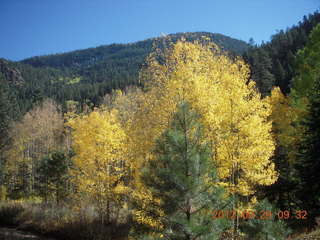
(98, 142)
(233, 113)
(286, 117)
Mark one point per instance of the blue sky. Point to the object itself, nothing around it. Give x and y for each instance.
(38, 27)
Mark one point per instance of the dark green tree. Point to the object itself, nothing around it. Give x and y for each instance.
(53, 178)
(183, 176)
(280, 74)
(308, 164)
(261, 65)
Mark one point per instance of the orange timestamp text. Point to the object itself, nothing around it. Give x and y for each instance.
(260, 215)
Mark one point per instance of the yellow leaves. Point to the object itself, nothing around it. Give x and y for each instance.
(232, 111)
(148, 201)
(143, 218)
(99, 144)
(286, 117)
(235, 119)
(121, 189)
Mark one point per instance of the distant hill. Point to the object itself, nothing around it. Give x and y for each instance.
(120, 63)
(92, 56)
(89, 74)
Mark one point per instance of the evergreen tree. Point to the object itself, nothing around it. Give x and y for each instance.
(280, 75)
(53, 176)
(261, 66)
(37, 96)
(308, 163)
(183, 178)
(308, 65)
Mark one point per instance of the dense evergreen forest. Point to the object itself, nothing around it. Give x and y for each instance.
(87, 75)
(185, 136)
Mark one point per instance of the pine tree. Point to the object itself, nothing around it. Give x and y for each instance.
(53, 176)
(308, 163)
(261, 65)
(182, 180)
(280, 75)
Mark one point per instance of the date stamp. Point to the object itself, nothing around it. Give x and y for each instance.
(260, 215)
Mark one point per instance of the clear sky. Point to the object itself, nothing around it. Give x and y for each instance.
(37, 27)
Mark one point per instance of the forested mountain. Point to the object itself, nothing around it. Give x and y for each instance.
(92, 56)
(87, 75)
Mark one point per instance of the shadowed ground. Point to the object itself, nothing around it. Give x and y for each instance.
(14, 234)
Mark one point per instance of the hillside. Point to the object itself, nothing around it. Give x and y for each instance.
(91, 73)
(92, 56)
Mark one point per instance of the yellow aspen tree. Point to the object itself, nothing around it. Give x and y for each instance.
(98, 142)
(286, 118)
(232, 112)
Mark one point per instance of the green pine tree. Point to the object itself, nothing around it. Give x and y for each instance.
(308, 163)
(261, 65)
(53, 178)
(183, 176)
(280, 75)
(308, 65)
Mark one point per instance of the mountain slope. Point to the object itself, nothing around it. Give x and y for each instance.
(91, 56)
(89, 74)
(120, 63)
